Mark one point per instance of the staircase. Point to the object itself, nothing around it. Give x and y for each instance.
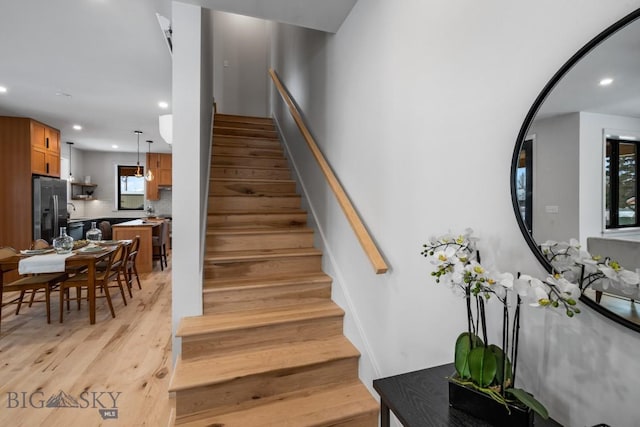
(269, 349)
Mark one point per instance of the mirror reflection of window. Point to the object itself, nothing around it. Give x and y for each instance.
(130, 188)
(621, 189)
(524, 183)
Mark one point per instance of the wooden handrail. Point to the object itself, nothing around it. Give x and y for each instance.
(365, 239)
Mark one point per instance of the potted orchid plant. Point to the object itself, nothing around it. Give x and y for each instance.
(487, 369)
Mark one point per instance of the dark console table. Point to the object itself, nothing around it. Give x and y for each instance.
(421, 399)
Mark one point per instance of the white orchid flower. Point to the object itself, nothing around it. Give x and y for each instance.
(443, 256)
(539, 297)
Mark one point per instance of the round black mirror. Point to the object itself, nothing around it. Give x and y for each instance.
(576, 161)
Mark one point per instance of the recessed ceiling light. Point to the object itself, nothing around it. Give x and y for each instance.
(77, 127)
(3, 89)
(114, 146)
(163, 104)
(606, 82)
(63, 94)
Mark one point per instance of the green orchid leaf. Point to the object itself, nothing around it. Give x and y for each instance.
(482, 366)
(528, 400)
(501, 378)
(464, 344)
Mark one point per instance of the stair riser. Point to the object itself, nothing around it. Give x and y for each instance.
(230, 242)
(243, 119)
(263, 267)
(255, 390)
(252, 203)
(230, 188)
(251, 338)
(255, 173)
(227, 150)
(250, 133)
(226, 301)
(256, 220)
(250, 162)
(244, 125)
(238, 141)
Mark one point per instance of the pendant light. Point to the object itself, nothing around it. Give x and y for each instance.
(138, 174)
(71, 178)
(149, 175)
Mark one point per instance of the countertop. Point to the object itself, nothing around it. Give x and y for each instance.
(137, 223)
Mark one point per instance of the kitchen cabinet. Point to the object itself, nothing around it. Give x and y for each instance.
(24, 151)
(160, 165)
(164, 172)
(45, 150)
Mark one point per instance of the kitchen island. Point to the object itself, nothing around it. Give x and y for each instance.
(144, 229)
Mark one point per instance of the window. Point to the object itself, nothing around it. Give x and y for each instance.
(621, 189)
(130, 188)
(524, 183)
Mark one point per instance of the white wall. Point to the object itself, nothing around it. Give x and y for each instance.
(556, 157)
(192, 105)
(240, 57)
(417, 106)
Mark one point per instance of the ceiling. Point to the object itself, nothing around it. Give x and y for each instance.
(104, 64)
(617, 58)
(324, 15)
(108, 55)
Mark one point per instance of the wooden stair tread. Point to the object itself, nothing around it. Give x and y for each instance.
(245, 141)
(318, 408)
(198, 325)
(213, 165)
(266, 134)
(230, 256)
(251, 212)
(274, 156)
(252, 180)
(216, 370)
(263, 282)
(258, 231)
(280, 195)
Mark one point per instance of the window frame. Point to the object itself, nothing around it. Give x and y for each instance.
(118, 193)
(614, 176)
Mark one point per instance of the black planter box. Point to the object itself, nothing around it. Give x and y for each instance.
(484, 407)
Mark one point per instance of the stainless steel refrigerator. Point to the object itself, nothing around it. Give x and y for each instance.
(49, 207)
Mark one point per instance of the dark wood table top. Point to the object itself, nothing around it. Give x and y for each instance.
(421, 399)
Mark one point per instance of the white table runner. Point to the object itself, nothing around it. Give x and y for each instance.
(49, 263)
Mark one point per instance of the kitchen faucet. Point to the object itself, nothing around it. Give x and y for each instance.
(69, 213)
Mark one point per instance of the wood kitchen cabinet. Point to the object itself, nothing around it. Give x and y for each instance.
(160, 165)
(45, 150)
(27, 147)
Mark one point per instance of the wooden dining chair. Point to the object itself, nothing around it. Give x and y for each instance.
(119, 265)
(130, 266)
(37, 244)
(40, 244)
(105, 228)
(81, 280)
(159, 244)
(28, 283)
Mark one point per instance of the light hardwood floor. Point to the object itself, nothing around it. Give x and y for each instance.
(127, 358)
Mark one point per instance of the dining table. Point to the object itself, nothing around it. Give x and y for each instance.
(79, 259)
